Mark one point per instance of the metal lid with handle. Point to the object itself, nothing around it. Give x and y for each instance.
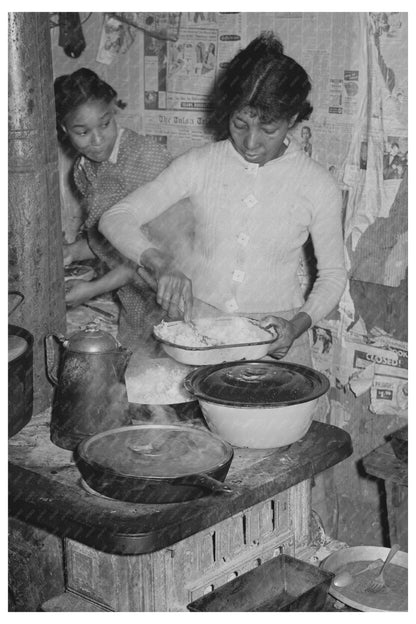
(165, 451)
(256, 383)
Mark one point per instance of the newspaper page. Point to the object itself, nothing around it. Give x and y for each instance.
(380, 365)
(116, 38)
(179, 75)
(160, 25)
(324, 348)
(377, 365)
(381, 158)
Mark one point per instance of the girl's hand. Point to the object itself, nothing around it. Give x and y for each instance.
(78, 250)
(174, 294)
(286, 334)
(68, 254)
(78, 292)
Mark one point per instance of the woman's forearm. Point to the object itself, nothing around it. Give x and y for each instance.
(155, 261)
(301, 322)
(122, 223)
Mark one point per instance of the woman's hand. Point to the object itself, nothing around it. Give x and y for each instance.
(78, 291)
(286, 335)
(173, 288)
(287, 331)
(174, 294)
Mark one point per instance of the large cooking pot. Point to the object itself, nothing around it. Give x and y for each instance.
(20, 375)
(257, 403)
(154, 463)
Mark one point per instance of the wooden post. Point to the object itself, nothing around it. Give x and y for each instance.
(35, 237)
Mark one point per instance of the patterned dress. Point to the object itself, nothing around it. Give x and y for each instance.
(134, 161)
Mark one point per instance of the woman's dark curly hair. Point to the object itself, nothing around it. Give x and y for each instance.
(73, 90)
(262, 77)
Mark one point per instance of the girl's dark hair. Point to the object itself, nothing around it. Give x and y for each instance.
(262, 77)
(75, 89)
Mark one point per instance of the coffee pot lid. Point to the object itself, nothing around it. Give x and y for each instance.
(92, 339)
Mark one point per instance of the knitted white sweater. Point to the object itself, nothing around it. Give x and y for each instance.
(250, 225)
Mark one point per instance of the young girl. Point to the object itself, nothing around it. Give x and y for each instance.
(111, 162)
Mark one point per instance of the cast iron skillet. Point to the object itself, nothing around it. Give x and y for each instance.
(108, 471)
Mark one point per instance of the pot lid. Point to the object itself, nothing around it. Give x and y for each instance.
(256, 383)
(92, 340)
(155, 451)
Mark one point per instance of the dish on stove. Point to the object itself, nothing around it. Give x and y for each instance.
(154, 464)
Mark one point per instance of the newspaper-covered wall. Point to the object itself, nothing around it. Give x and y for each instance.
(358, 129)
(377, 158)
(357, 62)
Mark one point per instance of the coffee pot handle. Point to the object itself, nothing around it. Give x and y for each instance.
(52, 359)
(17, 303)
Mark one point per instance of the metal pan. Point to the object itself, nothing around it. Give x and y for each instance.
(393, 598)
(155, 464)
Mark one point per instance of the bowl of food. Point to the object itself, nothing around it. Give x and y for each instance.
(257, 403)
(214, 340)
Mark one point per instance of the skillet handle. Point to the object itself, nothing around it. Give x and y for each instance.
(204, 481)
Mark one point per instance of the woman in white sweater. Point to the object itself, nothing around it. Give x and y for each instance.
(256, 198)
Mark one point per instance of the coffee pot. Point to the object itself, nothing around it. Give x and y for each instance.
(90, 394)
